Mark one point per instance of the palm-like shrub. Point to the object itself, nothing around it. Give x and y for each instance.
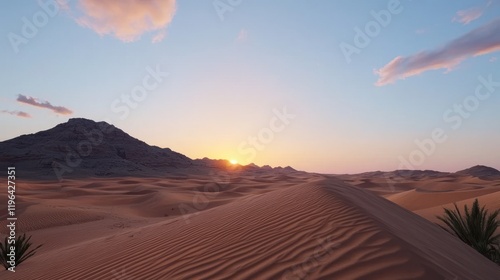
(475, 227)
(22, 246)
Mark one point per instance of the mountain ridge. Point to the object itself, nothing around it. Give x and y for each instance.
(480, 171)
(83, 147)
(86, 147)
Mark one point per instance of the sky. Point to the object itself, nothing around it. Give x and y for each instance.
(323, 86)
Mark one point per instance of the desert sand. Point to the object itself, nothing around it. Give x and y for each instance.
(291, 225)
(125, 210)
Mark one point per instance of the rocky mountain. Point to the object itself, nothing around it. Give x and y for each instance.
(480, 171)
(84, 147)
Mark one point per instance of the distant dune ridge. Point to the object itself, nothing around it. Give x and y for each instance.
(152, 213)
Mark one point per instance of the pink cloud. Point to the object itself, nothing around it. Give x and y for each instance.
(466, 16)
(482, 40)
(127, 20)
(43, 104)
(17, 113)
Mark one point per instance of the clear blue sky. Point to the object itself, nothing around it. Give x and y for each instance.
(356, 102)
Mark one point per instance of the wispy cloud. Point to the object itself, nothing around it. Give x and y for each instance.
(420, 31)
(127, 20)
(43, 104)
(469, 15)
(242, 36)
(159, 37)
(482, 40)
(16, 113)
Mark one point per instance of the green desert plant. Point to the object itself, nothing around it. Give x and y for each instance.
(22, 246)
(475, 227)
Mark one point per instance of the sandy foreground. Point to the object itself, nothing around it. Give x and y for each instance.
(268, 226)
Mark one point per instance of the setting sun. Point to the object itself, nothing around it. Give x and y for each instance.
(257, 140)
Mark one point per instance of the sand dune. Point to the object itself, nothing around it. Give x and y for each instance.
(307, 227)
(424, 192)
(490, 201)
(428, 195)
(417, 200)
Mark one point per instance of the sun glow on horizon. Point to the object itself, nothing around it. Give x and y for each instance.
(233, 161)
